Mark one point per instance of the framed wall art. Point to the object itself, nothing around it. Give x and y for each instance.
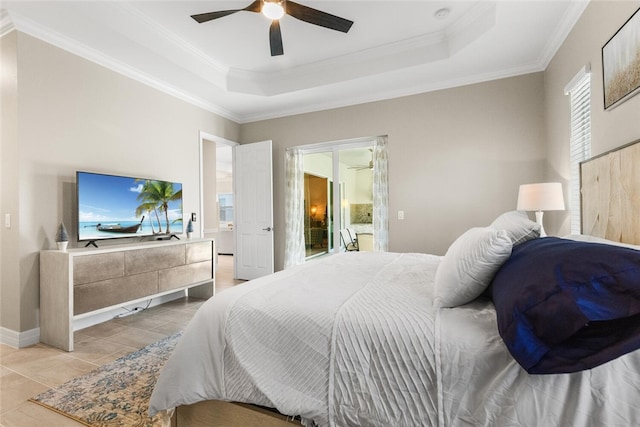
(621, 63)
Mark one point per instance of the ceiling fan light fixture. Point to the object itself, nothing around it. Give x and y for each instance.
(276, 9)
(273, 10)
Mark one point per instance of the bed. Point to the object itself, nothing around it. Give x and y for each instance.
(470, 338)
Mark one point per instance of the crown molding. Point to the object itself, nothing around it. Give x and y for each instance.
(6, 24)
(73, 46)
(177, 50)
(390, 57)
(398, 55)
(569, 20)
(392, 94)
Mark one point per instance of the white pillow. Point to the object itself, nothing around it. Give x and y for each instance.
(469, 265)
(518, 226)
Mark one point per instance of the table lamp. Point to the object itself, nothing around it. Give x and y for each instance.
(539, 197)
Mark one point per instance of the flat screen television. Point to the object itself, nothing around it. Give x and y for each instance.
(116, 207)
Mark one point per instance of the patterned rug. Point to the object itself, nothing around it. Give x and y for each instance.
(116, 394)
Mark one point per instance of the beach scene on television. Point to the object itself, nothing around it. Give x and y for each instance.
(111, 206)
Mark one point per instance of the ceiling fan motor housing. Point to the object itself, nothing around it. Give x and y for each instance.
(273, 9)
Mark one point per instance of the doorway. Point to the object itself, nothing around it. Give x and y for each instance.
(339, 212)
(317, 205)
(217, 201)
(338, 195)
(225, 241)
(250, 200)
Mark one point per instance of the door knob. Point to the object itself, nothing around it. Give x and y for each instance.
(267, 229)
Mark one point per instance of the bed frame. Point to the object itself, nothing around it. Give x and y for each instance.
(228, 414)
(610, 194)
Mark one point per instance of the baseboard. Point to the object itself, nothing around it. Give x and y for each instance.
(19, 339)
(24, 339)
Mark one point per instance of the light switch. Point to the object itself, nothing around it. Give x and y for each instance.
(400, 214)
(7, 220)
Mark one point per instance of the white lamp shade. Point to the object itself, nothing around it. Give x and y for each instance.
(544, 196)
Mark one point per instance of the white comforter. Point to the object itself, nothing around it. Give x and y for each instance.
(353, 340)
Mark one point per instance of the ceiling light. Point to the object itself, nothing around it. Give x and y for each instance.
(273, 10)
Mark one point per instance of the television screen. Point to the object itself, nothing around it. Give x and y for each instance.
(111, 207)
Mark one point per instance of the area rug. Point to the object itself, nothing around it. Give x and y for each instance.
(116, 394)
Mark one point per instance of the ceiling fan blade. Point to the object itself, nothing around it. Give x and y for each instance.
(317, 17)
(256, 6)
(275, 38)
(205, 17)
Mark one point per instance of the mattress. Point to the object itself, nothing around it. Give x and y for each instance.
(354, 339)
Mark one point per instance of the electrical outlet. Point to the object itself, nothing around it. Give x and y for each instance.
(400, 214)
(193, 216)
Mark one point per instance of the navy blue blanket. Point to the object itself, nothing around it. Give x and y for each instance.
(566, 306)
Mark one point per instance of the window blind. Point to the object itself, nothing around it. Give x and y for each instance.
(579, 91)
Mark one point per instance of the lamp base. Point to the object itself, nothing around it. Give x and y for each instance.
(539, 221)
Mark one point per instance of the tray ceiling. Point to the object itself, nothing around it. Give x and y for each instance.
(394, 48)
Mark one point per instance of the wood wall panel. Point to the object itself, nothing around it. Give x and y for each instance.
(610, 195)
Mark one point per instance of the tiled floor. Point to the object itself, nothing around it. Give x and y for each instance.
(28, 371)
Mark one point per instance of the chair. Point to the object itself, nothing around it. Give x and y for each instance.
(365, 242)
(349, 243)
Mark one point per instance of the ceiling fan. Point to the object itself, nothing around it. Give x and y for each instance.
(274, 10)
(362, 167)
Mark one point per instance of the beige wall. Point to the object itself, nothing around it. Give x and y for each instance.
(609, 129)
(74, 114)
(9, 237)
(456, 156)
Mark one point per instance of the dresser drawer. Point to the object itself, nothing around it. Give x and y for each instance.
(97, 295)
(93, 268)
(143, 260)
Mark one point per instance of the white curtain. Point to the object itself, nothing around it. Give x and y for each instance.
(380, 195)
(294, 250)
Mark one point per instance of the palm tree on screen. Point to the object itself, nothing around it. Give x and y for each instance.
(159, 193)
(148, 207)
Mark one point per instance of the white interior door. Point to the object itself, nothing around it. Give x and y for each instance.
(253, 210)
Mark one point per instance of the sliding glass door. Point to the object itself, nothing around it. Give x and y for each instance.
(337, 195)
(318, 203)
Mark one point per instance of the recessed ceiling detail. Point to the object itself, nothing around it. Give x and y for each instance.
(402, 54)
(227, 68)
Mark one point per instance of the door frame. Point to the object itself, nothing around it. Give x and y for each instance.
(335, 147)
(209, 138)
